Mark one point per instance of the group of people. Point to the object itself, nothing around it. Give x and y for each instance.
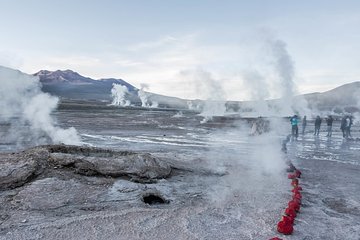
(346, 123)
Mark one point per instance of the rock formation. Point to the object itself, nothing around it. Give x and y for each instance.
(18, 168)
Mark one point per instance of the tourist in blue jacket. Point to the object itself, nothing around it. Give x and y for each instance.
(294, 126)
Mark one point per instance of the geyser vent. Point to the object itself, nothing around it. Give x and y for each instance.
(153, 199)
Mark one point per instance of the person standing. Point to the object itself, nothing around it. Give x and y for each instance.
(304, 122)
(329, 122)
(347, 127)
(351, 123)
(317, 125)
(294, 126)
(343, 126)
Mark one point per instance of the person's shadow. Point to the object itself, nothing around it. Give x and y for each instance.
(329, 143)
(345, 145)
(317, 142)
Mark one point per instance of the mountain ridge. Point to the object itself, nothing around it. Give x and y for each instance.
(71, 77)
(69, 84)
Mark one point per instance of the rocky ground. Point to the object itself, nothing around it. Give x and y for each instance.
(201, 181)
(48, 182)
(69, 192)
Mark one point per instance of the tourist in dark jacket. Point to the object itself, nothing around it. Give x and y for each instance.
(348, 123)
(343, 126)
(317, 125)
(329, 122)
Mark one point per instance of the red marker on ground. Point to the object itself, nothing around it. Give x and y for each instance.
(291, 176)
(297, 195)
(296, 189)
(294, 205)
(295, 182)
(285, 226)
(290, 212)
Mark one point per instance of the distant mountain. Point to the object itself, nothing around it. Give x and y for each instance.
(61, 77)
(343, 99)
(72, 85)
(68, 84)
(346, 97)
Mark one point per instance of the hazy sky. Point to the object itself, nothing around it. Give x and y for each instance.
(155, 42)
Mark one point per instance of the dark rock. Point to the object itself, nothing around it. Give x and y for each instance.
(92, 161)
(19, 168)
(16, 169)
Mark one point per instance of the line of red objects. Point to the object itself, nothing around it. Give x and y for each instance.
(286, 224)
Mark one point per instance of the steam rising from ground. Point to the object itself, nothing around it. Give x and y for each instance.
(260, 165)
(28, 111)
(118, 93)
(280, 78)
(193, 106)
(145, 97)
(209, 89)
(284, 67)
(264, 161)
(259, 91)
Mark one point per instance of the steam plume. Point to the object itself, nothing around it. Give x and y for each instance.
(27, 109)
(209, 89)
(193, 106)
(278, 80)
(284, 67)
(285, 70)
(144, 97)
(118, 93)
(259, 91)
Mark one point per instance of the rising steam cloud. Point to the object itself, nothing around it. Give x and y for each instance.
(118, 93)
(264, 160)
(28, 111)
(145, 97)
(284, 67)
(285, 70)
(277, 81)
(259, 91)
(209, 89)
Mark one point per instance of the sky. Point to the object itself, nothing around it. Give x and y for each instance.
(154, 42)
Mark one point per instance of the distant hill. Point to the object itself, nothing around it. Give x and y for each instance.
(345, 97)
(71, 85)
(68, 84)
